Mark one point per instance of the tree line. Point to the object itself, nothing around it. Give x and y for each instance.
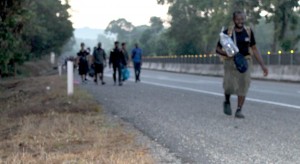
(30, 29)
(195, 26)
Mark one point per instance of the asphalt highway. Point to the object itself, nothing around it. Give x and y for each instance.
(184, 114)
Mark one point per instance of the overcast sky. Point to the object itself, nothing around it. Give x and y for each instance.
(98, 13)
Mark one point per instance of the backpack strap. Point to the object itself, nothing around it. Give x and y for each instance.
(249, 30)
(231, 28)
(230, 31)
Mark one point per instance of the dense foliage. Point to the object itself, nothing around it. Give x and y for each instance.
(30, 29)
(195, 26)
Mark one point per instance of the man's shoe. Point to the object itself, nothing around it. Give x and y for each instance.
(120, 84)
(103, 83)
(239, 114)
(227, 109)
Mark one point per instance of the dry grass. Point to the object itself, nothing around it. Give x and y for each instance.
(37, 68)
(46, 126)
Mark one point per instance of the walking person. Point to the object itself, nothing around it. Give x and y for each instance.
(82, 61)
(234, 81)
(124, 50)
(137, 62)
(117, 61)
(99, 61)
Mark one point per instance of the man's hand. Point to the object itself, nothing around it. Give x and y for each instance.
(265, 70)
(220, 51)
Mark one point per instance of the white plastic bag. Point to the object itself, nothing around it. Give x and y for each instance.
(227, 43)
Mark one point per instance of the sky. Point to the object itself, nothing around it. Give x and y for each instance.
(98, 13)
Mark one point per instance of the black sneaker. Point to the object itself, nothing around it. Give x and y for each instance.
(227, 109)
(103, 83)
(120, 84)
(239, 114)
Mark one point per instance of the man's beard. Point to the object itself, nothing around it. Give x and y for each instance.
(239, 27)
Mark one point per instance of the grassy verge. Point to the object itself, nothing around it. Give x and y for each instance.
(42, 125)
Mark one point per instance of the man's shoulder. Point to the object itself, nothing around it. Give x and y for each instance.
(80, 52)
(101, 50)
(248, 29)
(137, 49)
(226, 31)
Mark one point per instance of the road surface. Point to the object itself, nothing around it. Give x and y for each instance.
(184, 113)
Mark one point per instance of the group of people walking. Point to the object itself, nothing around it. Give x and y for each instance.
(118, 60)
(236, 81)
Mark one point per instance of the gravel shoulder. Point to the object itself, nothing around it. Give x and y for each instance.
(159, 153)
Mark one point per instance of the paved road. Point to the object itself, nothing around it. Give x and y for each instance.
(184, 113)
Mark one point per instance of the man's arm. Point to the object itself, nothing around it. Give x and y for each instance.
(141, 57)
(110, 58)
(132, 54)
(93, 57)
(220, 51)
(259, 59)
(257, 54)
(104, 55)
(122, 53)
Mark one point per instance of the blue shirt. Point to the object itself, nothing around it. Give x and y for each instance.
(137, 55)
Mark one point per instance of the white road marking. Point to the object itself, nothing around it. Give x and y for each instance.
(219, 94)
(183, 81)
(216, 93)
(272, 92)
(215, 82)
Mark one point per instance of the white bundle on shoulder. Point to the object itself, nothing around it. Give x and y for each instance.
(227, 43)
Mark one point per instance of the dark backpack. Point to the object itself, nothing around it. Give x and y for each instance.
(240, 61)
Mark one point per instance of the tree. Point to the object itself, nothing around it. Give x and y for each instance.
(13, 16)
(148, 37)
(285, 18)
(30, 29)
(202, 21)
(121, 27)
(156, 24)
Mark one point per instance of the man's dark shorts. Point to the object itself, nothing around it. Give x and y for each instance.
(99, 68)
